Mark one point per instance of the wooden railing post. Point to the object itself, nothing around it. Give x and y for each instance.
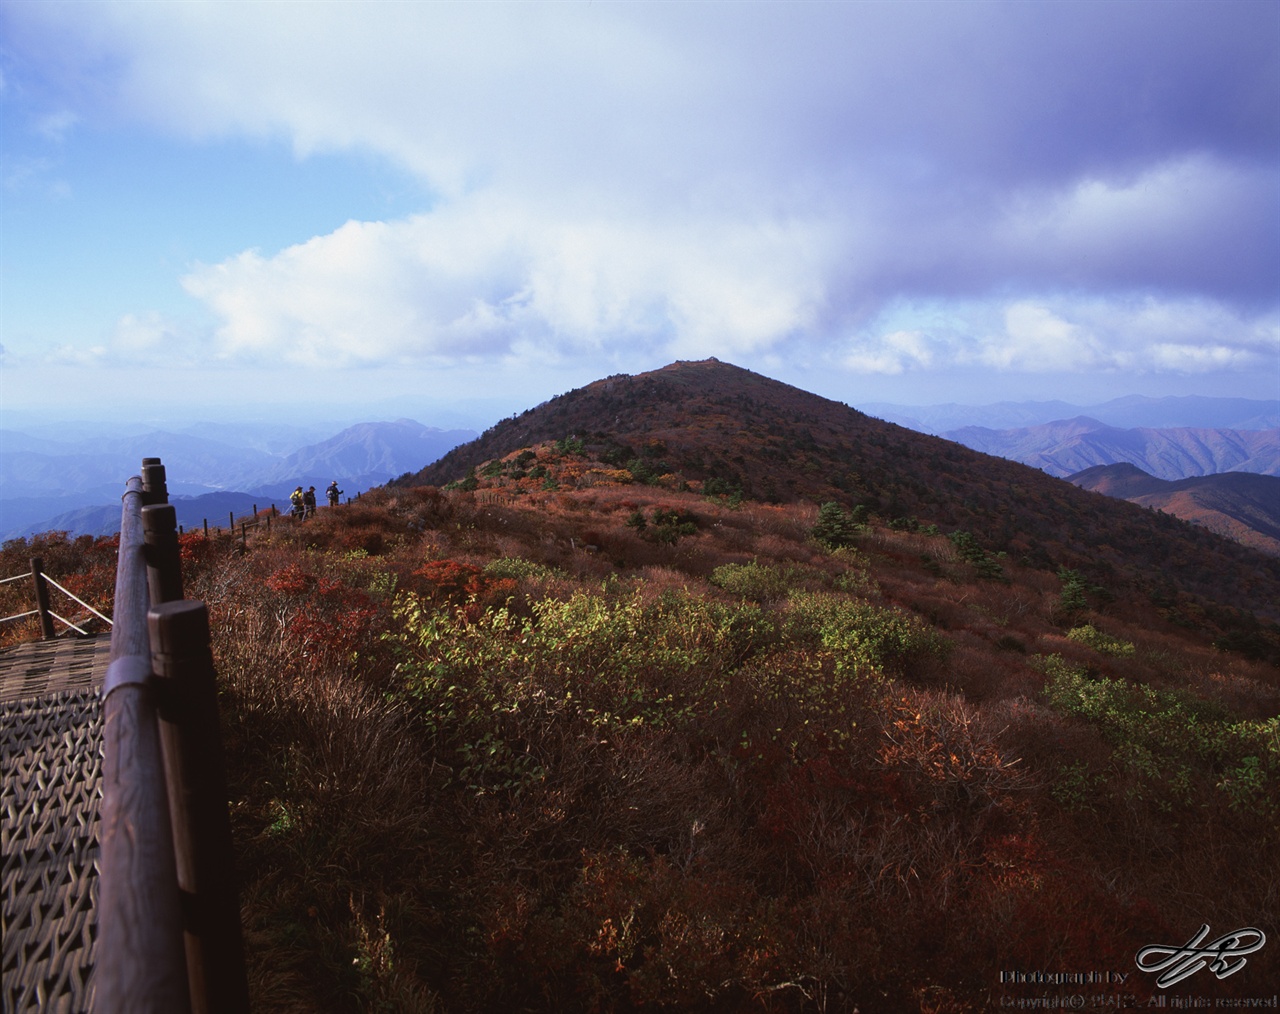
(155, 489)
(163, 553)
(42, 598)
(140, 963)
(182, 660)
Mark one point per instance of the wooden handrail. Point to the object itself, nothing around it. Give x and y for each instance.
(141, 962)
(168, 916)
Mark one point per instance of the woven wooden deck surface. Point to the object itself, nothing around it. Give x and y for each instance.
(50, 791)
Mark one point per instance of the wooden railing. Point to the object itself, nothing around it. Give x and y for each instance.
(169, 935)
(41, 582)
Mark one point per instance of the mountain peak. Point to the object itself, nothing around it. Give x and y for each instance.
(712, 426)
(711, 420)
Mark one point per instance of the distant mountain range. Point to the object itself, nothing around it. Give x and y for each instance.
(1212, 461)
(1069, 446)
(75, 485)
(71, 479)
(1239, 505)
(1134, 412)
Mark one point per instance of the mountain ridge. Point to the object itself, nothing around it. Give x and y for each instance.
(1068, 446)
(722, 427)
(1128, 412)
(1242, 506)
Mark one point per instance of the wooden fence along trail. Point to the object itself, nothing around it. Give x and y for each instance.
(254, 519)
(132, 778)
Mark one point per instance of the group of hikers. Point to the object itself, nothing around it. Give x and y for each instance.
(303, 504)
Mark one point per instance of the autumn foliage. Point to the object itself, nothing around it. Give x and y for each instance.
(501, 748)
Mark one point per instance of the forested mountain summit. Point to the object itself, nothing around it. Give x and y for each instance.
(712, 425)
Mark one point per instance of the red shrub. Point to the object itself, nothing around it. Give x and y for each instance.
(448, 582)
(451, 581)
(290, 580)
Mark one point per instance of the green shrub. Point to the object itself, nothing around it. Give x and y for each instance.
(1100, 642)
(1072, 599)
(863, 636)
(642, 472)
(516, 567)
(669, 525)
(1075, 787)
(753, 580)
(714, 486)
(613, 660)
(1164, 737)
(466, 485)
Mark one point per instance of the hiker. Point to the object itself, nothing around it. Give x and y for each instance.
(297, 503)
(333, 492)
(309, 502)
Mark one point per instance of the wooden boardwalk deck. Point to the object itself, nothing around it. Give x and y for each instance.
(50, 793)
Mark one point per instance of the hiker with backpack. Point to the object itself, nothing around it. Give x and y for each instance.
(296, 503)
(333, 492)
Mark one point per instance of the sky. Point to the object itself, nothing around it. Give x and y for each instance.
(217, 209)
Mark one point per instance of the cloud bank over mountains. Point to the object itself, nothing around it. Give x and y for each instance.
(1012, 188)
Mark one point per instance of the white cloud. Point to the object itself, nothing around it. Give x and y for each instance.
(1037, 339)
(892, 353)
(154, 338)
(1199, 358)
(1193, 222)
(76, 355)
(482, 277)
(902, 194)
(29, 175)
(1065, 334)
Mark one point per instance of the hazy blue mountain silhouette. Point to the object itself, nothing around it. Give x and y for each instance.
(1135, 411)
(1070, 446)
(58, 485)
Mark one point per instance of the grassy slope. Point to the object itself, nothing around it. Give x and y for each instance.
(658, 784)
